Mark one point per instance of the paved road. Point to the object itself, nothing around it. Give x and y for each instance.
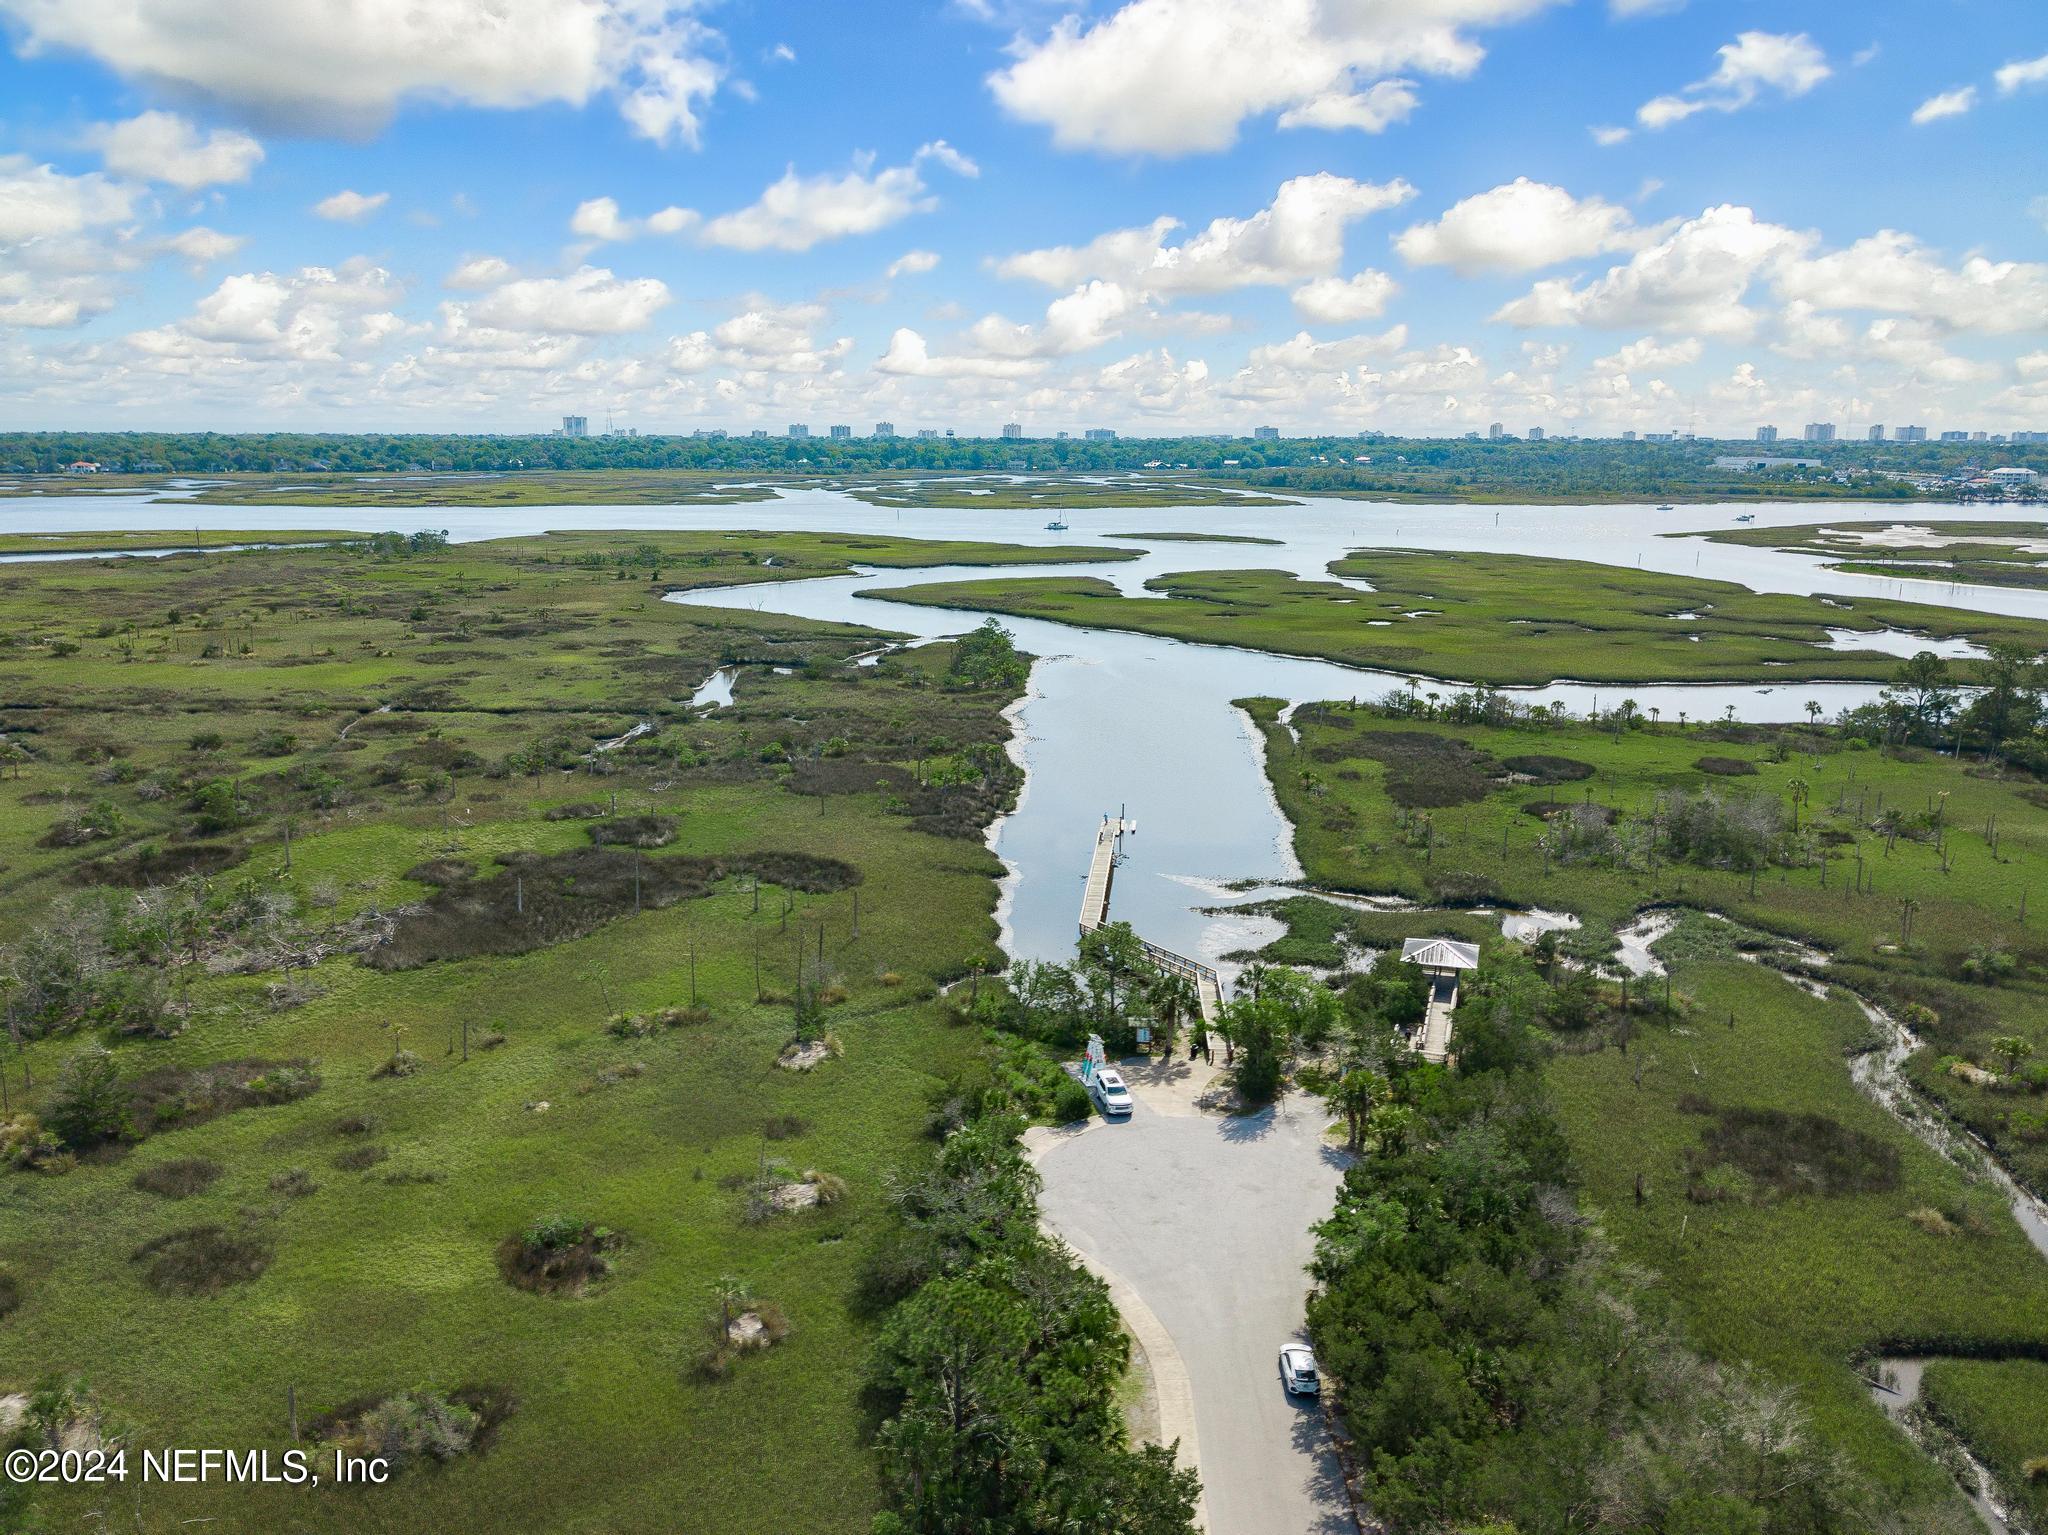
(1207, 1218)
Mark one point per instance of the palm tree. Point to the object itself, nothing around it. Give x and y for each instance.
(1797, 789)
(1173, 998)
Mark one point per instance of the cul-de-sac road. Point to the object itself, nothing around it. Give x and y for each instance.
(1205, 1219)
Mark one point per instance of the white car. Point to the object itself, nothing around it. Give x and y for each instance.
(1298, 1370)
(1111, 1095)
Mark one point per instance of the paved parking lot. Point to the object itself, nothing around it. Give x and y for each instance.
(1206, 1220)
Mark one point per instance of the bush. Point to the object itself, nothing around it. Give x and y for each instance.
(201, 1260)
(558, 1255)
(1071, 1102)
(402, 1063)
(178, 1178)
(293, 1183)
(357, 1158)
(26, 1145)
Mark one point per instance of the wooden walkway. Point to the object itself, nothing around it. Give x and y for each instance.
(1095, 894)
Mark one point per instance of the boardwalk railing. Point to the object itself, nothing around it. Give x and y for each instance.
(1095, 913)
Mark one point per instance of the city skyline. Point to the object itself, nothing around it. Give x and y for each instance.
(725, 220)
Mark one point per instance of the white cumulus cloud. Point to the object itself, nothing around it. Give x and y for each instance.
(347, 207)
(590, 301)
(1518, 227)
(1788, 63)
(1342, 300)
(347, 65)
(1299, 235)
(1171, 77)
(912, 263)
(162, 146)
(1691, 280)
(1947, 104)
(798, 212)
(2020, 73)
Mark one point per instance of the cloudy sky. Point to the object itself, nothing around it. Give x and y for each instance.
(1156, 215)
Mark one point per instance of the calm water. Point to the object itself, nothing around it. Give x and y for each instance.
(1146, 725)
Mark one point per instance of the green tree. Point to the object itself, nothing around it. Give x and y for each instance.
(91, 1105)
(2012, 1050)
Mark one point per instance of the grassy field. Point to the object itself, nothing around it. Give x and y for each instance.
(1195, 538)
(85, 544)
(421, 724)
(585, 487)
(1501, 619)
(1434, 812)
(2000, 1407)
(1919, 1259)
(1051, 493)
(1969, 553)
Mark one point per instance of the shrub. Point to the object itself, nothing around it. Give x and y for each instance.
(401, 1063)
(418, 1425)
(26, 1145)
(1726, 767)
(201, 1260)
(293, 1183)
(1070, 1102)
(287, 1083)
(558, 1255)
(178, 1178)
(10, 1294)
(1790, 1154)
(1538, 768)
(643, 831)
(357, 1158)
(275, 743)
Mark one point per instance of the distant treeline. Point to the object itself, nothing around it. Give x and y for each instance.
(1553, 468)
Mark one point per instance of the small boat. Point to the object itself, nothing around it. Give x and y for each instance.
(1055, 526)
(1667, 508)
(1747, 517)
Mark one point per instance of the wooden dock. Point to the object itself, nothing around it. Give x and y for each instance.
(1109, 836)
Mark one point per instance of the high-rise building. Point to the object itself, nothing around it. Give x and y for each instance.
(759, 431)
(1535, 434)
(926, 433)
(1909, 434)
(840, 432)
(1628, 436)
(1100, 434)
(1980, 437)
(1820, 431)
(1767, 434)
(1877, 433)
(798, 429)
(1012, 430)
(1265, 434)
(885, 429)
(1494, 431)
(1955, 436)
(575, 426)
(2029, 437)
(1061, 436)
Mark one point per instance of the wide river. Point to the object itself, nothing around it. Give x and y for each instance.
(1122, 721)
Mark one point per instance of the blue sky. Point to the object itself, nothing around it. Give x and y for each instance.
(475, 214)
